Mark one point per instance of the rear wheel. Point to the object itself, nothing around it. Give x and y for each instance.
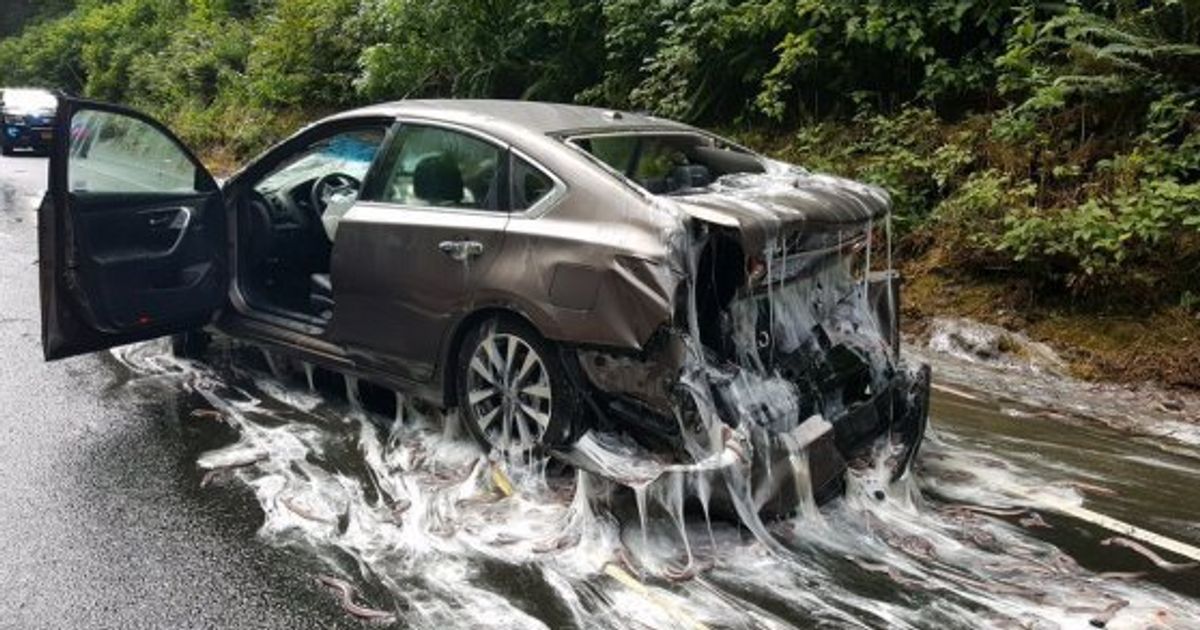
(513, 392)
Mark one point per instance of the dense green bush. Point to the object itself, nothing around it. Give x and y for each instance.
(1055, 141)
(718, 60)
(545, 49)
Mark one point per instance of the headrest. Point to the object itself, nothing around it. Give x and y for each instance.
(437, 180)
(691, 176)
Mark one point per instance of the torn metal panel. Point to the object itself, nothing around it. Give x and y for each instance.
(586, 277)
(764, 206)
(651, 378)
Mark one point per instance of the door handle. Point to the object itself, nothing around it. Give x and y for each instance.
(461, 251)
(160, 219)
(168, 218)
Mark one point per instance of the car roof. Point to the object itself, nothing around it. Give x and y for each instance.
(531, 116)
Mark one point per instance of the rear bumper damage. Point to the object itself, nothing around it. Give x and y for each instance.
(891, 424)
(780, 365)
(638, 443)
(778, 454)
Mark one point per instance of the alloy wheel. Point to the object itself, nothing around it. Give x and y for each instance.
(509, 392)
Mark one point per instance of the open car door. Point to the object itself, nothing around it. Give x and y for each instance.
(131, 234)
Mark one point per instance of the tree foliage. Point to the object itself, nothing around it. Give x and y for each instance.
(1055, 140)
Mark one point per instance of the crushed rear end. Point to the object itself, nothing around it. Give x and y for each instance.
(781, 366)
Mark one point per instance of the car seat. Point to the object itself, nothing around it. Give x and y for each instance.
(687, 176)
(438, 181)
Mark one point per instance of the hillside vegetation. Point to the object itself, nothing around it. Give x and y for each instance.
(1044, 157)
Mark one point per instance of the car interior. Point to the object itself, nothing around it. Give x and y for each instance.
(284, 248)
(441, 168)
(669, 163)
(290, 216)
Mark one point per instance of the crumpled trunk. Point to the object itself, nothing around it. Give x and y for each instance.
(785, 201)
(784, 348)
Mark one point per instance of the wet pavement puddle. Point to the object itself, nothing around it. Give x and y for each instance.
(406, 523)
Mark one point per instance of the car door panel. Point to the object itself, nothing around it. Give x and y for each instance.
(408, 257)
(397, 292)
(152, 257)
(131, 234)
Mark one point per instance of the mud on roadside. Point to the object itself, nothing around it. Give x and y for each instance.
(1153, 348)
(1029, 378)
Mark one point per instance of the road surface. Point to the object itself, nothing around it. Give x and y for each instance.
(102, 520)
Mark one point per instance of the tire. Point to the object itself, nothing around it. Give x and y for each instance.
(190, 345)
(6, 150)
(542, 407)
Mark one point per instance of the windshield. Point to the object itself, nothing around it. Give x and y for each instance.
(669, 163)
(29, 101)
(350, 153)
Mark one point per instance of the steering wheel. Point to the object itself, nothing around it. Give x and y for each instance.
(329, 185)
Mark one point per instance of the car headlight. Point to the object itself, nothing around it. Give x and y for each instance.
(14, 120)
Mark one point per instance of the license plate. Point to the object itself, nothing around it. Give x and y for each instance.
(47, 135)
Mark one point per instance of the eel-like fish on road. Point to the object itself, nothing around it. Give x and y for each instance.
(303, 512)
(983, 509)
(1035, 520)
(211, 474)
(1101, 619)
(1158, 560)
(891, 572)
(345, 594)
(689, 572)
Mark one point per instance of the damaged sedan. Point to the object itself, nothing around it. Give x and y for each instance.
(604, 286)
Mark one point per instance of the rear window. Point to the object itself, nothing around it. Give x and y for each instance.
(669, 163)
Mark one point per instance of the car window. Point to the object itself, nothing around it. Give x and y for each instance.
(615, 151)
(669, 163)
(348, 152)
(435, 167)
(116, 153)
(529, 185)
(657, 159)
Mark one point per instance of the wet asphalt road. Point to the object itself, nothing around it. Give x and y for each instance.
(102, 520)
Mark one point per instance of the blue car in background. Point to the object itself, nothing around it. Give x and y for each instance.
(28, 120)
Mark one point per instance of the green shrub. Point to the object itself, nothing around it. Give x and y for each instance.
(546, 49)
(304, 52)
(970, 221)
(1093, 244)
(1059, 142)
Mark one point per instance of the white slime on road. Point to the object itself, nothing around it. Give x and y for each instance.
(422, 524)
